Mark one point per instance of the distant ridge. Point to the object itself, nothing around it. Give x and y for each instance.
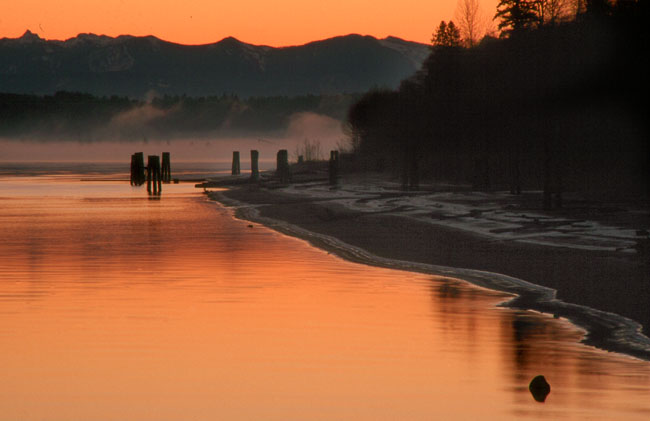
(138, 66)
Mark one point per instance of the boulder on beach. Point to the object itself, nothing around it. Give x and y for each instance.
(539, 388)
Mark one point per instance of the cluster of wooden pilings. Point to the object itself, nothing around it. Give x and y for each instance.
(154, 173)
(283, 170)
(255, 169)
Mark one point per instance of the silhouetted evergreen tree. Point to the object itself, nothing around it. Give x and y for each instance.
(516, 16)
(447, 35)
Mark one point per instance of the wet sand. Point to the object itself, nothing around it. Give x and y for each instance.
(604, 280)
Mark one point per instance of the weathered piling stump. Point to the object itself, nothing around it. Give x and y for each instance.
(282, 170)
(133, 169)
(255, 170)
(154, 179)
(158, 175)
(140, 161)
(166, 170)
(137, 169)
(236, 169)
(334, 168)
(149, 173)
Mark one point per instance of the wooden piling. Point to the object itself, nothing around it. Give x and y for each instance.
(139, 156)
(282, 170)
(166, 170)
(149, 172)
(334, 168)
(157, 162)
(132, 169)
(137, 169)
(236, 169)
(255, 171)
(154, 179)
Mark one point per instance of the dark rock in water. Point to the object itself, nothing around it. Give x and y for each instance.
(539, 388)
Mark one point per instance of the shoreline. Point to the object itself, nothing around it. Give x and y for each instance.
(399, 241)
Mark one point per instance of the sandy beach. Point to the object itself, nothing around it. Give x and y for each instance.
(591, 263)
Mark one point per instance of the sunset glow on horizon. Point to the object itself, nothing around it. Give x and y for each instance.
(280, 23)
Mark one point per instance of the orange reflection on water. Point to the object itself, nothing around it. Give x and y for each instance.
(116, 307)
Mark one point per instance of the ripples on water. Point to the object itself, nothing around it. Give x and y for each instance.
(114, 306)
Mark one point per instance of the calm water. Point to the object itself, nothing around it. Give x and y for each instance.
(117, 307)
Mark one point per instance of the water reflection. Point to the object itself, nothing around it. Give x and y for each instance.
(116, 307)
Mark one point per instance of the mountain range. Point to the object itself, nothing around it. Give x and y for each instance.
(141, 66)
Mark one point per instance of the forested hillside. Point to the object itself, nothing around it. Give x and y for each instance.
(558, 106)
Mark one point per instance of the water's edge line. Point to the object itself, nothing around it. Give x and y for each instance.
(603, 330)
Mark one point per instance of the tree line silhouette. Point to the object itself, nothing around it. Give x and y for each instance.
(556, 106)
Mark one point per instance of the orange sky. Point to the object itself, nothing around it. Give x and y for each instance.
(270, 22)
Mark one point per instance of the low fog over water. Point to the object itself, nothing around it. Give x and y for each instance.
(128, 133)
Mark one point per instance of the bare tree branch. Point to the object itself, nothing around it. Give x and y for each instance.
(472, 21)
